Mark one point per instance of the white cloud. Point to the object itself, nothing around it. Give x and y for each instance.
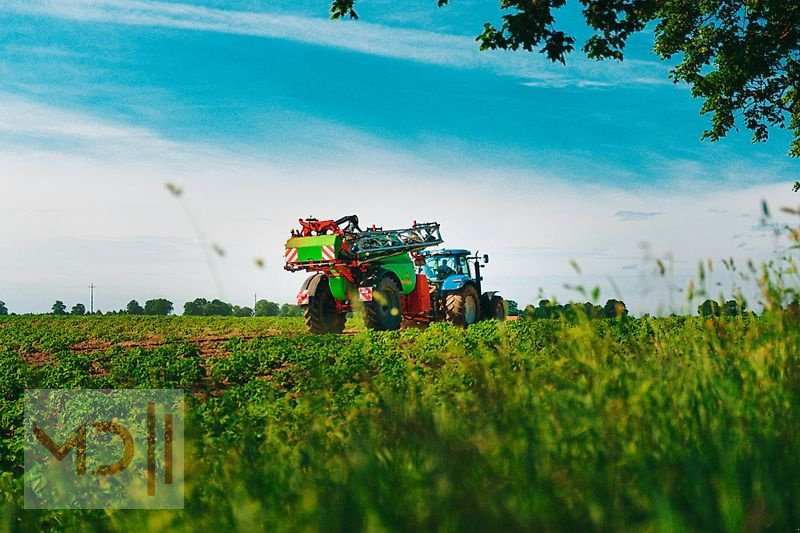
(23, 117)
(101, 215)
(628, 216)
(449, 50)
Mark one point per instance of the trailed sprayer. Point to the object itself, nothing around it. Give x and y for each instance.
(393, 275)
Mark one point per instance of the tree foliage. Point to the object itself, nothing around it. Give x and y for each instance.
(614, 308)
(731, 308)
(59, 308)
(267, 308)
(158, 306)
(549, 309)
(242, 311)
(3, 308)
(513, 308)
(202, 307)
(78, 309)
(197, 307)
(742, 57)
(133, 308)
(219, 308)
(291, 310)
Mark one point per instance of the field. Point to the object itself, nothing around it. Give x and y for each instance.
(673, 423)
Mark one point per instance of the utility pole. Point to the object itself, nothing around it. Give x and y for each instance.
(91, 298)
(255, 301)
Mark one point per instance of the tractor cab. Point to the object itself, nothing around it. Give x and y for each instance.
(445, 266)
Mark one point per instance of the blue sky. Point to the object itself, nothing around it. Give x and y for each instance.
(266, 111)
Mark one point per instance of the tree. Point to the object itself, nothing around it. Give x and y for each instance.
(614, 308)
(202, 307)
(196, 307)
(291, 310)
(3, 309)
(159, 307)
(740, 57)
(134, 308)
(219, 308)
(242, 311)
(708, 309)
(267, 308)
(78, 309)
(734, 308)
(59, 308)
(513, 308)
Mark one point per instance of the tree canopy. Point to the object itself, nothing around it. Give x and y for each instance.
(59, 308)
(291, 310)
(267, 308)
(742, 57)
(549, 309)
(242, 311)
(158, 306)
(202, 307)
(133, 308)
(3, 308)
(731, 308)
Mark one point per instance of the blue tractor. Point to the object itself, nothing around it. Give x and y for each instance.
(454, 277)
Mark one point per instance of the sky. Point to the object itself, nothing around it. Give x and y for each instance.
(266, 112)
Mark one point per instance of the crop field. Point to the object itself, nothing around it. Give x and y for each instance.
(676, 423)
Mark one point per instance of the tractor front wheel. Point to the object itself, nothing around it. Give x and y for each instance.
(462, 307)
(385, 311)
(321, 314)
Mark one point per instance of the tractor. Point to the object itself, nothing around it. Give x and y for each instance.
(392, 275)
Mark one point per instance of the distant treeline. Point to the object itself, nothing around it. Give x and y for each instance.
(197, 307)
(202, 307)
(546, 309)
(549, 309)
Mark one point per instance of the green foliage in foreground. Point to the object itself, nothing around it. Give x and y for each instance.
(673, 423)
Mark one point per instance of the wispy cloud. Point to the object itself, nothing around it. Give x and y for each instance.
(457, 51)
(627, 216)
(28, 126)
(24, 117)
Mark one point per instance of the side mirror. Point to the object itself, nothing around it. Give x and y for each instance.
(485, 258)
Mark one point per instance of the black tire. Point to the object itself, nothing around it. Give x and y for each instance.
(320, 314)
(499, 309)
(385, 311)
(462, 307)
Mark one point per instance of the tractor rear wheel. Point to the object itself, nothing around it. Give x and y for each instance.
(462, 307)
(499, 309)
(385, 311)
(321, 314)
